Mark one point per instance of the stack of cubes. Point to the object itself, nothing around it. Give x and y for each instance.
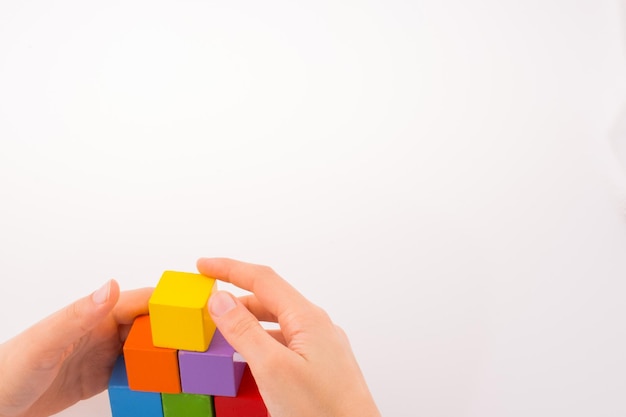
(175, 363)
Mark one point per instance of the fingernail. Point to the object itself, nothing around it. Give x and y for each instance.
(221, 303)
(102, 295)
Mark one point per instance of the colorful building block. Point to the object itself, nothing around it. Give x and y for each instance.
(177, 348)
(248, 401)
(150, 368)
(127, 403)
(213, 372)
(187, 405)
(179, 313)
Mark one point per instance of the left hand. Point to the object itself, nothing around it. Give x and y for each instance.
(68, 356)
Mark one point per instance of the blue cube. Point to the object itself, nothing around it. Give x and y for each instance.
(128, 403)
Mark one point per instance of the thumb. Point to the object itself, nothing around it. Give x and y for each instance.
(241, 329)
(32, 359)
(52, 337)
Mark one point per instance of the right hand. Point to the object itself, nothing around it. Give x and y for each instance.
(307, 368)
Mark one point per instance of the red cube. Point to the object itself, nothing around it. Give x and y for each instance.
(248, 401)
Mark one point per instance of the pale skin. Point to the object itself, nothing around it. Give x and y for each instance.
(306, 368)
(69, 355)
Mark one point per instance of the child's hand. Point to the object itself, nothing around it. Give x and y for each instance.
(305, 369)
(68, 356)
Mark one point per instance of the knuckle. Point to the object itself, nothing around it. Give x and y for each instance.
(242, 327)
(343, 336)
(321, 315)
(49, 361)
(74, 314)
(265, 270)
(72, 311)
(340, 330)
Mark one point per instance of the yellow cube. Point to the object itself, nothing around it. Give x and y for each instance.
(179, 314)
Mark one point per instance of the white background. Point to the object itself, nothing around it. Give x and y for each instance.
(444, 178)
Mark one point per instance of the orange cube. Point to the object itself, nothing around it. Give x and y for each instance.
(150, 368)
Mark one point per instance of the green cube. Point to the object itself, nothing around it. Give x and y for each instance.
(187, 405)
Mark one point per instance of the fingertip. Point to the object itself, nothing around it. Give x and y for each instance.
(240, 328)
(201, 265)
(109, 292)
(206, 265)
(199, 262)
(115, 290)
(221, 302)
(101, 295)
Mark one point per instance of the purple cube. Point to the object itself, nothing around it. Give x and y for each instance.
(216, 371)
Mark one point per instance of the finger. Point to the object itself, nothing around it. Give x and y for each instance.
(255, 307)
(242, 330)
(123, 331)
(132, 304)
(48, 340)
(272, 291)
(278, 336)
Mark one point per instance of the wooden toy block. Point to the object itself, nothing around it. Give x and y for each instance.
(187, 405)
(179, 314)
(248, 401)
(213, 372)
(150, 368)
(127, 403)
